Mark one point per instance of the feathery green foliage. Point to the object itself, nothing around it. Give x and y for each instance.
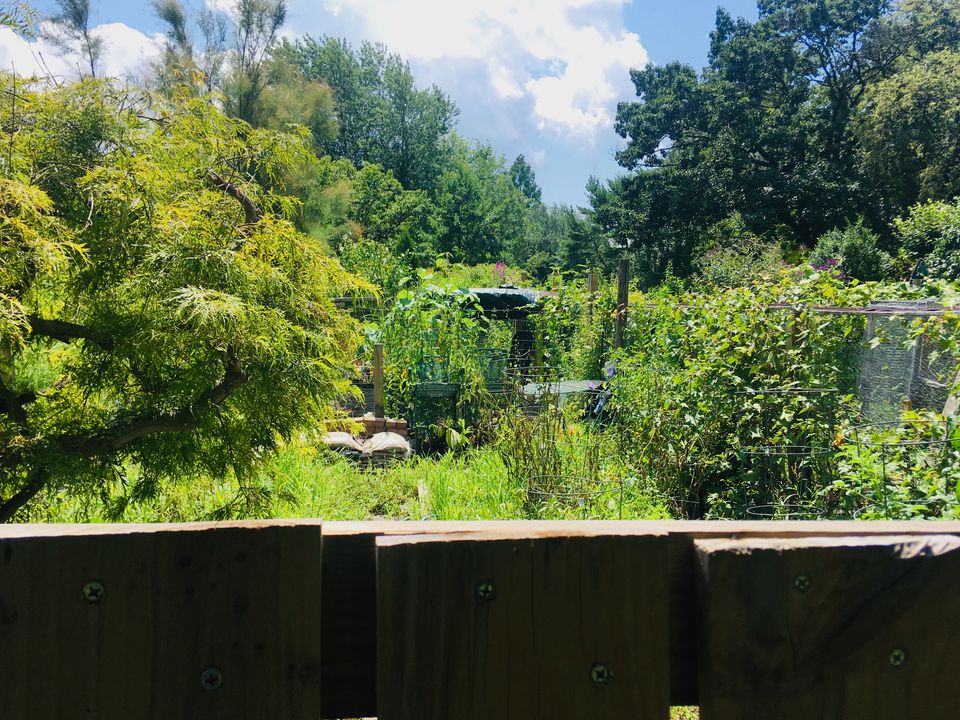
(160, 312)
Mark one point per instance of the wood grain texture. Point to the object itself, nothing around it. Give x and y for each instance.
(58, 653)
(858, 628)
(243, 599)
(349, 639)
(514, 628)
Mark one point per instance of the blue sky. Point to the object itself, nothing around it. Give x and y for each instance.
(538, 77)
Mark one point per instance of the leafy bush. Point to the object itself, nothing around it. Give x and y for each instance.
(540, 265)
(432, 335)
(453, 275)
(710, 380)
(731, 255)
(931, 233)
(575, 328)
(377, 264)
(854, 252)
(898, 471)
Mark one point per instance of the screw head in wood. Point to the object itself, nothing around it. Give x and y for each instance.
(486, 591)
(600, 674)
(897, 657)
(211, 679)
(93, 591)
(802, 583)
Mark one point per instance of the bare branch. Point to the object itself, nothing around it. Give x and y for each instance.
(11, 403)
(25, 494)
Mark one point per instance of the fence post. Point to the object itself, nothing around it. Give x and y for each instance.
(378, 404)
(591, 291)
(620, 322)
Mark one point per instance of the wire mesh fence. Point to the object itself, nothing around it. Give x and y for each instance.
(902, 364)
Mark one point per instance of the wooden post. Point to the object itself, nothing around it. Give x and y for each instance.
(378, 405)
(953, 399)
(592, 290)
(592, 282)
(620, 322)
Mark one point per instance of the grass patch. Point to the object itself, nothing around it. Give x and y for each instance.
(306, 481)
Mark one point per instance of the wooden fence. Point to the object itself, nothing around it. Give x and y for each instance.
(521, 620)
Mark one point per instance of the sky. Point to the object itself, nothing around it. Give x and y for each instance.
(540, 78)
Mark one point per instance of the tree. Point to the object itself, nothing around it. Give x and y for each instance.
(482, 213)
(930, 233)
(184, 65)
(255, 88)
(914, 29)
(263, 86)
(70, 30)
(769, 130)
(382, 116)
(161, 318)
(19, 17)
(583, 245)
(909, 133)
(403, 220)
(255, 27)
(290, 99)
(177, 66)
(525, 179)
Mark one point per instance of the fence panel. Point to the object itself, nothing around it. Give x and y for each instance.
(194, 621)
(851, 628)
(525, 627)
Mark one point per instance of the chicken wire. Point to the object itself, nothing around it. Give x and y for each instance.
(894, 370)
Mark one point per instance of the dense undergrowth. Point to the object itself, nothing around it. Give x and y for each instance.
(729, 403)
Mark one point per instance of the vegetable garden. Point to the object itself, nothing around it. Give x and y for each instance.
(738, 403)
(733, 403)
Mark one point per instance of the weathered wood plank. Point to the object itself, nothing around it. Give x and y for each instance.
(348, 612)
(851, 628)
(349, 640)
(134, 622)
(554, 627)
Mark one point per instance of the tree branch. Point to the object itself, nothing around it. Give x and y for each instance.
(11, 403)
(185, 419)
(34, 485)
(251, 212)
(67, 331)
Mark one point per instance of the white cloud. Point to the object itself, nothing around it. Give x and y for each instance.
(569, 58)
(126, 52)
(504, 80)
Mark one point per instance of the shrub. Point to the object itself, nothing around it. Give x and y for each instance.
(854, 252)
(931, 233)
(733, 256)
(689, 401)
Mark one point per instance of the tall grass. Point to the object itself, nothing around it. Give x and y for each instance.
(304, 480)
